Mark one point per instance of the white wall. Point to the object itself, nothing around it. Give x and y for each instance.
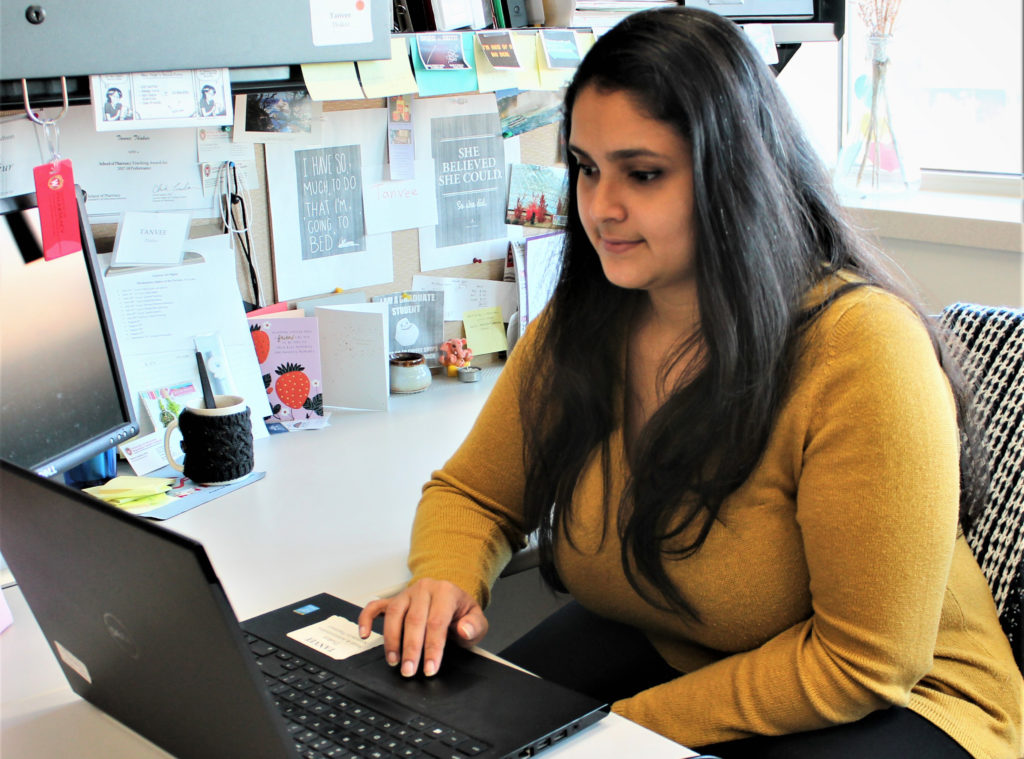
(954, 247)
(946, 274)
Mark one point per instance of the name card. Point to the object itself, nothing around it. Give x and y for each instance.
(391, 205)
(150, 238)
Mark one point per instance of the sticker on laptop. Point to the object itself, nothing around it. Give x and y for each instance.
(72, 661)
(336, 637)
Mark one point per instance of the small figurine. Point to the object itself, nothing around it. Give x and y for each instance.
(454, 354)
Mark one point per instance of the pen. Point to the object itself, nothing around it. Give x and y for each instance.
(204, 380)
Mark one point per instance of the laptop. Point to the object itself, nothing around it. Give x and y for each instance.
(142, 628)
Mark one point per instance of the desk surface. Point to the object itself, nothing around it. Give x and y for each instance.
(332, 514)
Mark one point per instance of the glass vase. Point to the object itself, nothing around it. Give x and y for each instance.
(875, 156)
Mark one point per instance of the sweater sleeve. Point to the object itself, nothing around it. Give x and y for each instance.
(469, 519)
(877, 507)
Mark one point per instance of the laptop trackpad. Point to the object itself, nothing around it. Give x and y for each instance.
(455, 685)
(455, 674)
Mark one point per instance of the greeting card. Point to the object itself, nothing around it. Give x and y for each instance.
(288, 351)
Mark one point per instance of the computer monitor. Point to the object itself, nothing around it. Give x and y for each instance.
(63, 394)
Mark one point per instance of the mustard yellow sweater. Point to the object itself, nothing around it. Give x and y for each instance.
(833, 583)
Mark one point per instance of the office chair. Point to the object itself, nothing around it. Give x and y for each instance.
(988, 344)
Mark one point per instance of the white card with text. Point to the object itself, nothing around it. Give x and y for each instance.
(150, 238)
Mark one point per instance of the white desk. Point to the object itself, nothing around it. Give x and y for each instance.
(332, 514)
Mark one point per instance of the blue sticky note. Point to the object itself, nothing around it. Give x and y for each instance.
(444, 81)
(307, 609)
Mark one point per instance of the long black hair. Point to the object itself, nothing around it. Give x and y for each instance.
(768, 227)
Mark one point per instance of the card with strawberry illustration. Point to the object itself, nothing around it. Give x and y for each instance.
(288, 351)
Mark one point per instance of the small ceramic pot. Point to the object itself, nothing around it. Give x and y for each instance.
(409, 373)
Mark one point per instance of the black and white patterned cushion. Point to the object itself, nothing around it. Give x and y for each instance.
(988, 343)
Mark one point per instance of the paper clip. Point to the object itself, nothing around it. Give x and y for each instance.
(50, 129)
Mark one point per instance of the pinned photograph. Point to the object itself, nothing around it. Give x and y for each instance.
(441, 51)
(561, 51)
(279, 112)
(211, 103)
(537, 196)
(114, 106)
(498, 49)
(287, 116)
(524, 110)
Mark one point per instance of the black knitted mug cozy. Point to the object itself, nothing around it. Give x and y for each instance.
(217, 448)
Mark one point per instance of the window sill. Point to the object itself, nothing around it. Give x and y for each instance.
(935, 214)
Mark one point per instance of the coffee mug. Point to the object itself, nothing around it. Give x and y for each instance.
(217, 441)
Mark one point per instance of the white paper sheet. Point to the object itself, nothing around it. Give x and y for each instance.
(155, 170)
(316, 207)
(354, 355)
(340, 22)
(158, 311)
(391, 205)
(215, 150)
(464, 294)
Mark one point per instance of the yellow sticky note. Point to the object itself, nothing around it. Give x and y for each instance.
(146, 503)
(586, 41)
(489, 78)
(127, 488)
(393, 76)
(526, 45)
(485, 332)
(552, 79)
(332, 81)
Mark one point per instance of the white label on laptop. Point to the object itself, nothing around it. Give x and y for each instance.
(72, 661)
(336, 637)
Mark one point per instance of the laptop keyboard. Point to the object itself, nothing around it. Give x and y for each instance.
(329, 717)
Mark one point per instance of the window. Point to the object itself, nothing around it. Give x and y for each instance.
(955, 81)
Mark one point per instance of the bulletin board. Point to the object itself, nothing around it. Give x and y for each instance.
(535, 146)
(539, 146)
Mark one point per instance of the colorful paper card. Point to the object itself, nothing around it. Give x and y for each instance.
(288, 351)
(163, 404)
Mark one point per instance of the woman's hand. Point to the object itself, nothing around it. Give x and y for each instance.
(418, 620)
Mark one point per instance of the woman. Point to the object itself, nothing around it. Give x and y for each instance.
(736, 440)
(113, 109)
(208, 101)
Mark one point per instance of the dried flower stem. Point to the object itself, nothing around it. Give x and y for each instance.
(879, 15)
